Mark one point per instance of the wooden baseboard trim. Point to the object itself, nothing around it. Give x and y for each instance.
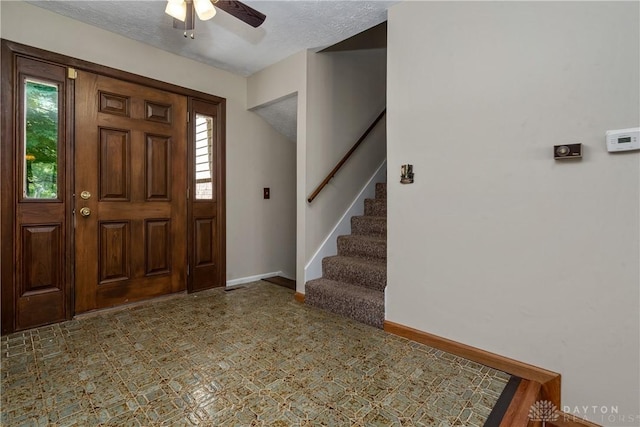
(504, 402)
(537, 383)
(549, 381)
(299, 297)
(517, 414)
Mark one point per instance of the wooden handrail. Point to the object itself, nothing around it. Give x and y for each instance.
(345, 158)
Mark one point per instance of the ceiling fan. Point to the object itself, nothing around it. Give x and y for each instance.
(184, 12)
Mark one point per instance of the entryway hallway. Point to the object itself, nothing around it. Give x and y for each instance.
(253, 356)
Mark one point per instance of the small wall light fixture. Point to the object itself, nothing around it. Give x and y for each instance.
(406, 174)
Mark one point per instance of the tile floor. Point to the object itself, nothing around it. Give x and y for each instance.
(248, 357)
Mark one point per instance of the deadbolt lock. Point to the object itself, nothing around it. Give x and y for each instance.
(85, 211)
(85, 195)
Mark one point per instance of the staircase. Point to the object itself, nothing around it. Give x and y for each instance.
(353, 282)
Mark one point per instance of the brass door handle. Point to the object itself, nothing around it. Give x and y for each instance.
(85, 211)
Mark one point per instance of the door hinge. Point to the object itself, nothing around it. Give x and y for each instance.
(188, 269)
(72, 73)
(188, 117)
(188, 192)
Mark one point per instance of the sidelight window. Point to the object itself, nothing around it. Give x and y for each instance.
(204, 157)
(41, 134)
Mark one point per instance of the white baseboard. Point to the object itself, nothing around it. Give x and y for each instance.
(329, 246)
(255, 278)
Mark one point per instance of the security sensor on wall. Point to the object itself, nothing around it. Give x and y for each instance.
(568, 151)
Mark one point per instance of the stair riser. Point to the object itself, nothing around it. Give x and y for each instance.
(366, 311)
(364, 249)
(375, 207)
(361, 312)
(381, 190)
(362, 275)
(368, 226)
(353, 282)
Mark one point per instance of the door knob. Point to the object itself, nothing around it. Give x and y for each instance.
(85, 195)
(85, 211)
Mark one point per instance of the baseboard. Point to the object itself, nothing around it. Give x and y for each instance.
(299, 297)
(249, 279)
(549, 381)
(517, 414)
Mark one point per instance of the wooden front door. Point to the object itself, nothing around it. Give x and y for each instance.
(35, 198)
(130, 192)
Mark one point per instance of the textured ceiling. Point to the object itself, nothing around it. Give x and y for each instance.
(224, 41)
(282, 115)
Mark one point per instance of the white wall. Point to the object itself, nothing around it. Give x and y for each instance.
(278, 80)
(274, 82)
(257, 155)
(339, 95)
(345, 92)
(497, 245)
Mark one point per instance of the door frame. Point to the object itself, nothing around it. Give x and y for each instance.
(10, 51)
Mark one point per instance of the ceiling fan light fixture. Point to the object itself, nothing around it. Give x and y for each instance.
(177, 9)
(204, 9)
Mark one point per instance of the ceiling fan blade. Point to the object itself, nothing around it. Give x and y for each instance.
(189, 21)
(242, 12)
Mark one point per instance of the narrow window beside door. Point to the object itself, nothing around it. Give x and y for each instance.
(204, 157)
(41, 132)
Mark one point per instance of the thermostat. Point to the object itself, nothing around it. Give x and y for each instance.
(623, 139)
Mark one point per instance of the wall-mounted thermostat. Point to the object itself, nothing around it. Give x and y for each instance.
(623, 139)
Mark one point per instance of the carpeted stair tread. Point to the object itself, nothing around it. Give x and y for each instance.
(356, 302)
(357, 271)
(353, 282)
(375, 207)
(369, 226)
(381, 190)
(367, 247)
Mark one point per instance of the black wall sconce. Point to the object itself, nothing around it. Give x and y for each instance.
(406, 174)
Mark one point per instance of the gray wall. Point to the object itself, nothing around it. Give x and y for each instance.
(339, 95)
(497, 245)
(345, 92)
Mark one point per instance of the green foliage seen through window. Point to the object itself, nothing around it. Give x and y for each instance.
(41, 145)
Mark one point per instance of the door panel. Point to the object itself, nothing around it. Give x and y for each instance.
(158, 167)
(158, 255)
(41, 250)
(41, 282)
(113, 257)
(114, 164)
(131, 157)
(206, 226)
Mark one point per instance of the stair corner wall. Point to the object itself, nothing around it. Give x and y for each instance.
(329, 246)
(353, 282)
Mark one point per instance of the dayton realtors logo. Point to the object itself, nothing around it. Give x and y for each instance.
(609, 415)
(543, 410)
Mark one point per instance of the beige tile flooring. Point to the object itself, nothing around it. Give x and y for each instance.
(248, 357)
